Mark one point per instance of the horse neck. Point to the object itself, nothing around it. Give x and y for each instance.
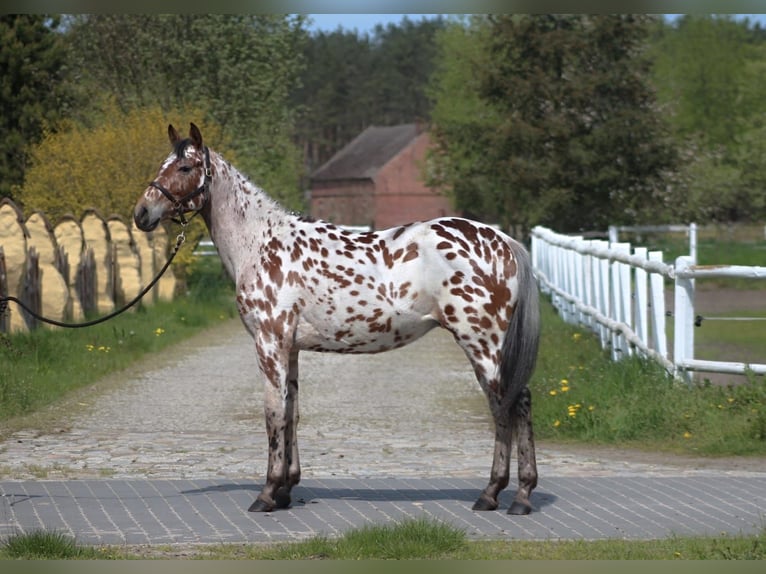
(239, 216)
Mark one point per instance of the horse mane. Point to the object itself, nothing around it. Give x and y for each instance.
(180, 147)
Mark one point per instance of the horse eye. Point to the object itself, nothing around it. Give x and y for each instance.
(184, 169)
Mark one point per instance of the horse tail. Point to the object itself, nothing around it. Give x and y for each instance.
(522, 337)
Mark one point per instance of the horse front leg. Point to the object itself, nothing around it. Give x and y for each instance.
(277, 411)
(276, 423)
(522, 423)
(292, 416)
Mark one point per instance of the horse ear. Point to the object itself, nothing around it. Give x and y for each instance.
(173, 134)
(195, 135)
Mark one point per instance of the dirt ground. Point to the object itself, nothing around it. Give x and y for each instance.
(718, 302)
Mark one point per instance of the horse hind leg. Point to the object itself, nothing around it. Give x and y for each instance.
(521, 417)
(499, 475)
(514, 422)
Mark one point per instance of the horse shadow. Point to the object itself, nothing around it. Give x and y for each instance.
(307, 495)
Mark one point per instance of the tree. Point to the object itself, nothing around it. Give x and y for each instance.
(710, 74)
(239, 69)
(33, 93)
(352, 81)
(700, 71)
(104, 167)
(573, 137)
(332, 101)
(461, 120)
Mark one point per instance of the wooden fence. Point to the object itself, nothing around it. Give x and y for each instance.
(618, 291)
(80, 268)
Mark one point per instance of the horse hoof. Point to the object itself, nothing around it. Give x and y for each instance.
(519, 508)
(485, 503)
(282, 498)
(260, 506)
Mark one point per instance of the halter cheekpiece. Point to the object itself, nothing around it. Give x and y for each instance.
(179, 204)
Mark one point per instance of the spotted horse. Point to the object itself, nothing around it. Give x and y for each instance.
(304, 285)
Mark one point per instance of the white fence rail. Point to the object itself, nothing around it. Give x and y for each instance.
(618, 291)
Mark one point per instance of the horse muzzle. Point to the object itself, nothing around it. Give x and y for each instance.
(143, 218)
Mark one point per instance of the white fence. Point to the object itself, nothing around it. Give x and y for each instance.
(618, 291)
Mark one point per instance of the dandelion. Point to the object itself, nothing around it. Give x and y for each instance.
(591, 408)
(90, 347)
(553, 392)
(687, 435)
(557, 423)
(572, 410)
(564, 382)
(730, 400)
(576, 337)
(159, 331)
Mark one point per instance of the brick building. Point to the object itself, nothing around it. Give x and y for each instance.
(376, 181)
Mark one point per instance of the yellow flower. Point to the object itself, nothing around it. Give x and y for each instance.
(591, 408)
(553, 393)
(564, 388)
(687, 434)
(90, 347)
(564, 382)
(557, 423)
(730, 399)
(159, 331)
(576, 337)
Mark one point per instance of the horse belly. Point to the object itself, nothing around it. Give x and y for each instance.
(373, 334)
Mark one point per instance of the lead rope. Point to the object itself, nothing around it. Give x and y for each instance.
(4, 300)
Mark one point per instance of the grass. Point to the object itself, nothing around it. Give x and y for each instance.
(40, 367)
(414, 539)
(580, 395)
(46, 545)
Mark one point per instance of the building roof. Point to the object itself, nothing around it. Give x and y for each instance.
(367, 153)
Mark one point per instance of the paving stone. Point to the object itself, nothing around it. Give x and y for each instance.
(178, 512)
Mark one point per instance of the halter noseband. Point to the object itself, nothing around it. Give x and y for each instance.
(179, 204)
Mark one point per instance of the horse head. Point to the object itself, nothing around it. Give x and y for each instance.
(182, 184)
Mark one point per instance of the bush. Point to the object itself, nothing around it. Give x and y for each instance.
(105, 167)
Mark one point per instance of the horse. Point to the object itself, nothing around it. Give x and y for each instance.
(306, 285)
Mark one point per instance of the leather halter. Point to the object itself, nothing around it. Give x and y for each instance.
(180, 204)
